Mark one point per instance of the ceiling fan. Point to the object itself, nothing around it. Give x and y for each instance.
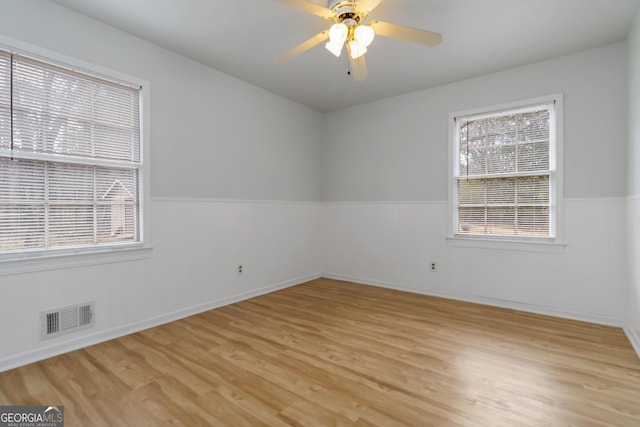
(350, 30)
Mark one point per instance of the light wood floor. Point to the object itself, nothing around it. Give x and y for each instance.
(331, 353)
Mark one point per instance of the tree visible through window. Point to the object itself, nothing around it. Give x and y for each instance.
(70, 158)
(504, 173)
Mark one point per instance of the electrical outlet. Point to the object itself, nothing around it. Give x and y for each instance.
(240, 269)
(433, 267)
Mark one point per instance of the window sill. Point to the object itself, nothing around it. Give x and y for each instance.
(506, 245)
(29, 264)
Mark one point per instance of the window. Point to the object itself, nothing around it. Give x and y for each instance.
(70, 158)
(505, 176)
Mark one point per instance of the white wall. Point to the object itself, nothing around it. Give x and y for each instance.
(213, 135)
(392, 245)
(233, 180)
(384, 175)
(632, 323)
(396, 149)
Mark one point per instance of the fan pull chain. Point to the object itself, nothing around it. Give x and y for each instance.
(348, 63)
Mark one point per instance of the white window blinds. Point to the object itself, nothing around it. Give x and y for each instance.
(70, 158)
(504, 176)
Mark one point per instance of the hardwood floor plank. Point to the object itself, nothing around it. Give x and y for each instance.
(332, 353)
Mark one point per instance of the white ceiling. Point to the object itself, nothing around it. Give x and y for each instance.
(243, 37)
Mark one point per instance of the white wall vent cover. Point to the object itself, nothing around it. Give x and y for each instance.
(61, 321)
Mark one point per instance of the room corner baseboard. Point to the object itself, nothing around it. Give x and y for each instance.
(362, 281)
(512, 305)
(76, 343)
(633, 337)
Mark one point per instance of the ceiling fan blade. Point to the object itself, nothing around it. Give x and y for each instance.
(367, 6)
(312, 8)
(304, 46)
(358, 67)
(409, 34)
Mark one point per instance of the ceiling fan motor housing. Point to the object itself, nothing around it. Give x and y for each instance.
(345, 10)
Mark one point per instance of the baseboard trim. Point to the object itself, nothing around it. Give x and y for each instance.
(529, 308)
(77, 343)
(633, 337)
(361, 280)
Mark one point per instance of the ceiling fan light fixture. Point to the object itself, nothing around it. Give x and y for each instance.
(338, 32)
(364, 35)
(334, 47)
(357, 49)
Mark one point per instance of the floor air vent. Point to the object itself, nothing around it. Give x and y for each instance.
(66, 320)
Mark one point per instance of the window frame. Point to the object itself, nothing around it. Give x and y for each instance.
(555, 241)
(52, 258)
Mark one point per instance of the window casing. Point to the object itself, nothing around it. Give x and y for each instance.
(71, 161)
(505, 180)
